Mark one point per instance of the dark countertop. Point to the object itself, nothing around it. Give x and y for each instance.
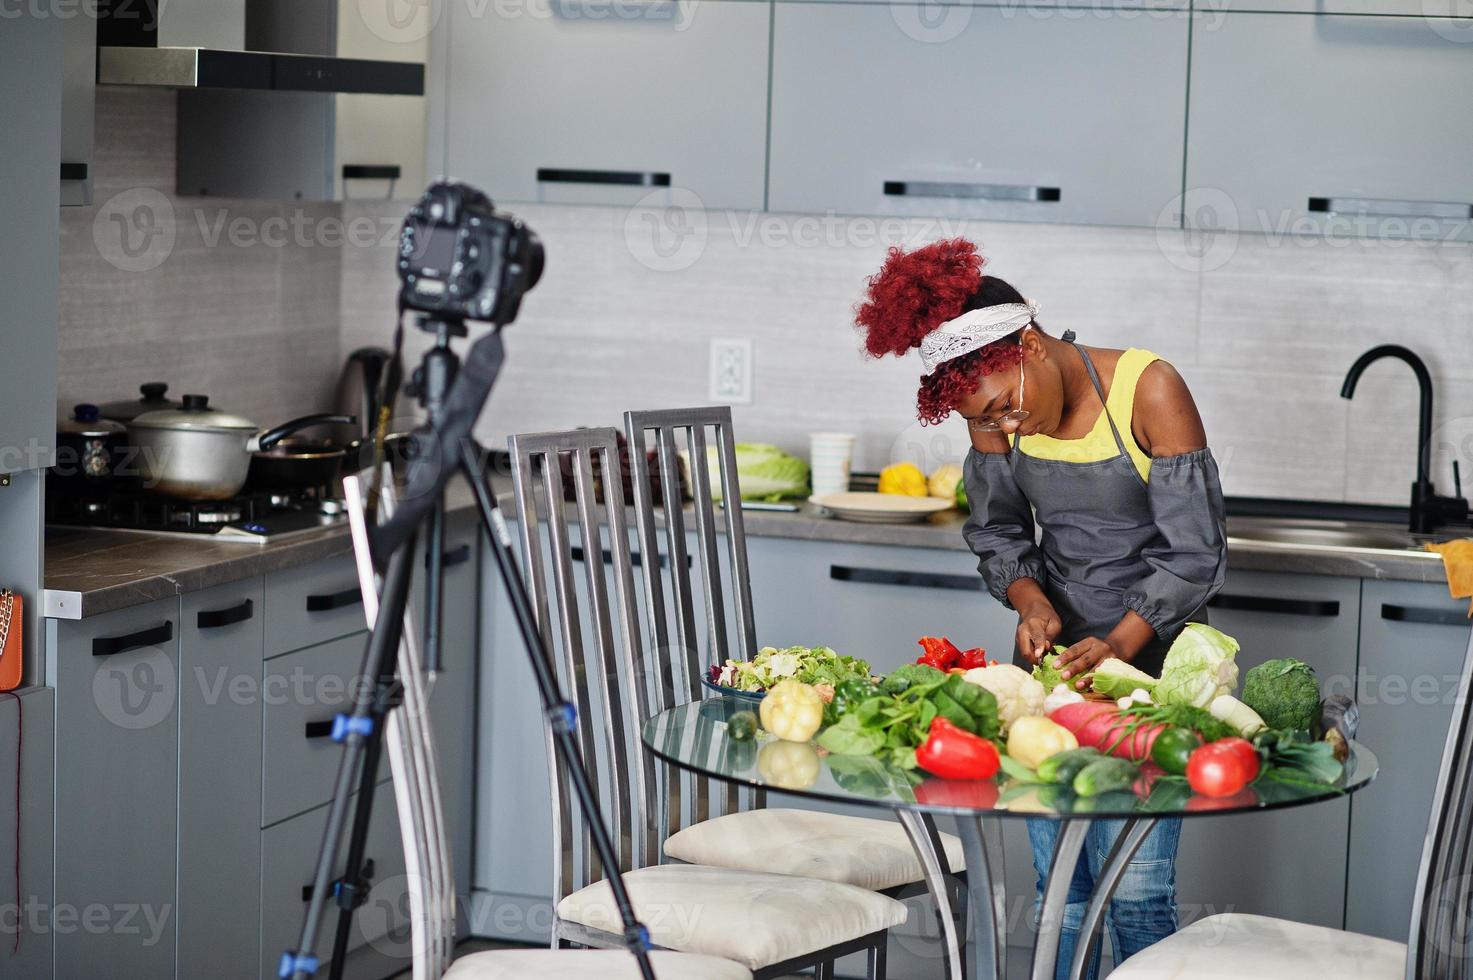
(95, 571)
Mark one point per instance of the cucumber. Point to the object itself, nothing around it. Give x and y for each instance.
(1061, 767)
(1104, 776)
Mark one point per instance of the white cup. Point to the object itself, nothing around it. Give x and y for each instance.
(830, 455)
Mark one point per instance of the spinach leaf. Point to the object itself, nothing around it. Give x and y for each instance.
(849, 737)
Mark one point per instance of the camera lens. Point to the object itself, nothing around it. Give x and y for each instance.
(535, 259)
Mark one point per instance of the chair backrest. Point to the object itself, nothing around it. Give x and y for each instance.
(678, 645)
(1441, 944)
(592, 632)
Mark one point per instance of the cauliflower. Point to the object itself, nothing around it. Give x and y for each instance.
(1018, 694)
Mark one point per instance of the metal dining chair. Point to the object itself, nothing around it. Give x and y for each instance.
(770, 923)
(1235, 945)
(872, 853)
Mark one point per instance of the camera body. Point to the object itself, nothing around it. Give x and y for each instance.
(461, 259)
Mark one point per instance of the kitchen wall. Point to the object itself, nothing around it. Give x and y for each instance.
(235, 299)
(1262, 328)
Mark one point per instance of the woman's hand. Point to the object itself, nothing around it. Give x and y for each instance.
(1038, 624)
(1082, 657)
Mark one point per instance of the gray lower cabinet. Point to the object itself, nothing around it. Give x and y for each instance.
(1298, 866)
(896, 109)
(117, 751)
(27, 724)
(219, 789)
(1412, 642)
(311, 604)
(661, 103)
(1317, 139)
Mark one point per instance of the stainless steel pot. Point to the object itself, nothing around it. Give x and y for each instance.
(200, 453)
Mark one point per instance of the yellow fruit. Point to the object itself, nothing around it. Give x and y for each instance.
(792, 711)
(905, 479)
(788, 765)
(944, 481)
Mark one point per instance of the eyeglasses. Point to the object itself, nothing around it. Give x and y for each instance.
(986, 423)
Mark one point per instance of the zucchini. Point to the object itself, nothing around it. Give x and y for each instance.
(1061, 767)
(1104, 776)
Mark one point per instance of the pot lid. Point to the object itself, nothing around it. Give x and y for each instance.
(87, 421)
(195, 415)
(127, 409)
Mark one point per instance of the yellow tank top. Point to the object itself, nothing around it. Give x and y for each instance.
(1099, 444)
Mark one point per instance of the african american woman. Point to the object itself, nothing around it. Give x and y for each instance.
(1097, 514)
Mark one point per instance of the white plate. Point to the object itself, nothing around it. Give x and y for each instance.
(879, 508)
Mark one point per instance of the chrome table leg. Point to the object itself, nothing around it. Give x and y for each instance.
(928, 849)
(1132, 835)
(986, 897)
(1067, 846)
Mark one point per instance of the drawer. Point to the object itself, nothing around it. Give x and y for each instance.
(312, 604)
(304, 688)
(289, 854)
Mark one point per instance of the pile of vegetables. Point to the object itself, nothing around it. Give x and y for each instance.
(811, 665)
(1180, 739)
(906, 479)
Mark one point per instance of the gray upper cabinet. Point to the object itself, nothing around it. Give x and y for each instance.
(1347, 125)
(78, 87)
(665, 99)
(881, 109)
(1412, 642)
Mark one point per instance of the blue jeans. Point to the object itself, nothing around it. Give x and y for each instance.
(1143, 909)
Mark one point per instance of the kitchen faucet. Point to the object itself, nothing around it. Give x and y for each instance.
(1428, 510)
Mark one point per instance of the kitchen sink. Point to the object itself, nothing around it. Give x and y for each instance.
(1338, 535)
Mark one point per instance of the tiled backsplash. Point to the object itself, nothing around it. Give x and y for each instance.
(1262, 329)
(237, 300)
(257, 303)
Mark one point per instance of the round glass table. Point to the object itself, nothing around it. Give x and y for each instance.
(693, 737)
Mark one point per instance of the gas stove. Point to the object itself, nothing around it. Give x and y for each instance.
(251, 517)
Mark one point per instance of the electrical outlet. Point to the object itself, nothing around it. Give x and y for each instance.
(731, 371)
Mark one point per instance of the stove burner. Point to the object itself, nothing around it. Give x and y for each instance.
(132, 509)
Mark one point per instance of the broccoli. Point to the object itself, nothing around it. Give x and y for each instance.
(1284, 692)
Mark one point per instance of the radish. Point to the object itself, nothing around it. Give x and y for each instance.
(1099, 724)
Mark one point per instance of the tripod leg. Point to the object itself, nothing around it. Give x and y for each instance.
(434, 576)
(365, 724)
(562, 717)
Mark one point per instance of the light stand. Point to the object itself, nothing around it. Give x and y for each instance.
(453, 396)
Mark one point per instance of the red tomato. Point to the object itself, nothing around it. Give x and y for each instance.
(1206, 804)
(1222, 768)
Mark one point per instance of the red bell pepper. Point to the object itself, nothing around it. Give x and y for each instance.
(939, 652)
(979, 794)
(954, 753)
(975, 657)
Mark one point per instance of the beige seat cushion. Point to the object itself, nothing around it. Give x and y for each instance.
(1234, 946)
(751, 917)
(864, 851)
(590, 964)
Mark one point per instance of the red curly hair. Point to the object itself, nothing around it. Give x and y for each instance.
(913, 294)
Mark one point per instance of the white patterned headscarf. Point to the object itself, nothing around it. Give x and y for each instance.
(973, 330)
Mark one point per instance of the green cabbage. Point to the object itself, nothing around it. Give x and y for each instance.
(764, 472)
(1198, 667)
(1284, 693)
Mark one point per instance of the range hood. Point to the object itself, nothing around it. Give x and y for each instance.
(259, 45)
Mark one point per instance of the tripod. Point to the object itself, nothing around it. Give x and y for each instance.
(452, 394)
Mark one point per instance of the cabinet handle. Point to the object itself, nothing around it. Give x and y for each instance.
(629, 178)
(1386, 207)
(985, 192)
(370, 171)
(924, 580)
(106, 646)
(334, 600)
(210, 619)
(453, 557)
(73, 171)
(319, 729)
(1327, 608)
(1416, 614)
